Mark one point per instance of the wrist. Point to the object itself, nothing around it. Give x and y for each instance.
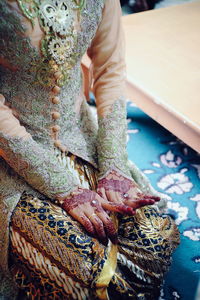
(60, 198)
(117, 173)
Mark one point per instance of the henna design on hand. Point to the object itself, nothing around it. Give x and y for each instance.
(120, 184)
(97, 224)
(79, 197)
(114, 182)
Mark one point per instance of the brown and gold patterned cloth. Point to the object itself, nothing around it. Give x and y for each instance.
(52, 257)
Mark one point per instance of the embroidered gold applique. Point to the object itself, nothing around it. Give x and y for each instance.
(59, 20)
(57, 15)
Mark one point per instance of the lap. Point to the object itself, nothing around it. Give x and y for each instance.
(50, 243)
(146, 243)
(52, 231)
(41, 229)
(51, 249)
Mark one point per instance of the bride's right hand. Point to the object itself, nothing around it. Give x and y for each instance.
(89, 209)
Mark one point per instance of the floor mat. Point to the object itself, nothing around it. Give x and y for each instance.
(173, 168)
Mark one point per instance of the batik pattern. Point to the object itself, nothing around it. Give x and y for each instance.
(47, 243)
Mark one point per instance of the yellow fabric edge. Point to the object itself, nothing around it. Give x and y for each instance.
(108, 269)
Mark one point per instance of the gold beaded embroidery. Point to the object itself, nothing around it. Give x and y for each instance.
(59, 20)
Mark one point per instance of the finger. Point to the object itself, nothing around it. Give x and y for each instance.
(114, 197)
(102, 193)
(81, 218)
(143, 196)
(135, 204)
(99, 228)
(120, 208)
(102, 199)
(115, 207)
(109, 226)
(155, 198)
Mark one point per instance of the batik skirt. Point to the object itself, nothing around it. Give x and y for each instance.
(53, 257)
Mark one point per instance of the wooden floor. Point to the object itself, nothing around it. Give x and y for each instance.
(163, 67)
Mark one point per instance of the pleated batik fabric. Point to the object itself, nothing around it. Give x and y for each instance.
(52, 257)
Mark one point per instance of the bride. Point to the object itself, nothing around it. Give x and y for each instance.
(77, 220)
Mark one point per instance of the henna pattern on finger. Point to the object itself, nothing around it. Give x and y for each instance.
(111, 231)
(99, 230)
(120, 208)
(155, 198)
(135, 204)
(87, 225)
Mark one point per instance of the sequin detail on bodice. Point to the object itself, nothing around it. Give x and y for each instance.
(60, 22)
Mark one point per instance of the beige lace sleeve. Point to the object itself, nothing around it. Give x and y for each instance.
(39, 167)
(108, 70)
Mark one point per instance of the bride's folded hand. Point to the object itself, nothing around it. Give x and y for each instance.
(121, 190)
(89, 209)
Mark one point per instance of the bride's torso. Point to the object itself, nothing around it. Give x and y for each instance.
(40, 69)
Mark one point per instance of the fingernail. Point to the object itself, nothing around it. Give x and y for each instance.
(156, 198)
(130, 211)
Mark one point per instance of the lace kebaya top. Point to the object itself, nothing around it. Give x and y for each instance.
(48, 103)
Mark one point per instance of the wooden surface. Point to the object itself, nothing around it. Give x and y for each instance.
(163, 67)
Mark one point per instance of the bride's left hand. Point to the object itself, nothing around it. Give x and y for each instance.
(119, 189)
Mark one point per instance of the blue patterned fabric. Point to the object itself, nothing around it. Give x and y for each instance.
(173, 168)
